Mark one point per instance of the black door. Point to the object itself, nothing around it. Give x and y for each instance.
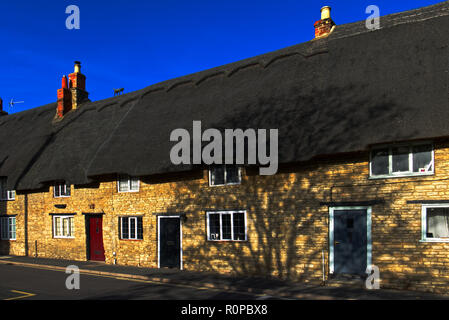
(169, 242)
(350, 240)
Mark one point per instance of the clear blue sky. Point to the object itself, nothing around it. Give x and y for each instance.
(136, 43)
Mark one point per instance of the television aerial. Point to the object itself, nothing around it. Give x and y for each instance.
(12, 103)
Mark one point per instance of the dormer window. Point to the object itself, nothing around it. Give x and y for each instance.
(128, 184)
(225, 175)
(61, 190)
(5, 194)
(402, 161)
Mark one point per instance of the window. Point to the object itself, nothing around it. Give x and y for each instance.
(128, 184)
(402, 160)
(131, 228)
(224, 175)
(5, 194)
(61, 190)
(435, 223)
(8, 228)
(63, 227)
(226, 226)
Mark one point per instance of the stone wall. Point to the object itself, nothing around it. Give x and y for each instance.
(287, 221)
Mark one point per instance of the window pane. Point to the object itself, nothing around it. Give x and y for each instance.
(58, 226)
(239, 226)
(125, 228)
(401, 159)
(135, 184)
(123, 185)
(71, 227)
(139, 228)
(214, 226)
(57, 191)
(379, 162)
(67, 190)
(232, 174)
(65, 226)
(226, 226)
(132, 230)
(422, 158)
(217, 175)
(438, 223)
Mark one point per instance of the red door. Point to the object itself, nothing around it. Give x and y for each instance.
(96, 248)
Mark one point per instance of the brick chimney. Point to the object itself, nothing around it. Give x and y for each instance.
(64, 99)
(326, 25)
(2, 113)
(77, 84)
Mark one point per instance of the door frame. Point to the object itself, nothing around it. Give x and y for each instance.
(159, 239)
(88, 239)
(368, 210)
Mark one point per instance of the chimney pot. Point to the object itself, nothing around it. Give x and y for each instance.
(77, 67)
(325, 13)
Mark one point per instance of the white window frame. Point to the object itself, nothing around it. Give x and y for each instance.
(69, 226)
(209, 238)
(129, 178)
(10, 194)
(424, 222)
(135, 218)
(225, 183)
(62, 186)
(7, 220)
(409, 173)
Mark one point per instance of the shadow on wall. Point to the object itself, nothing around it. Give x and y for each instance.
(287, 226)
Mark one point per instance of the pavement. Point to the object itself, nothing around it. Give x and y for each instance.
(234, 286)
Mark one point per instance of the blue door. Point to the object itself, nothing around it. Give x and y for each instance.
(350, 242)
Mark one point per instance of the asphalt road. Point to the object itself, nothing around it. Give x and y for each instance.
(23, 283)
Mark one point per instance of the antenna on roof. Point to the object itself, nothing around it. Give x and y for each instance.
(12, 103)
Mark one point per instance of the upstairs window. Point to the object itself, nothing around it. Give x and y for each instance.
(5, 194)
(61, 190)
(131, 228)
(226, 226)
(8, 228)
(224, 175)
(435, 223)
(128, 184)
(403, 160)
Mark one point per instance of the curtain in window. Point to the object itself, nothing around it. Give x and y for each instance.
(438, 223)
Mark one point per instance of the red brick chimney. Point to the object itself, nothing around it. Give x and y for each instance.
(326, 25)
(73, 91)
(64, 98)
(77, 84)
(2, 113)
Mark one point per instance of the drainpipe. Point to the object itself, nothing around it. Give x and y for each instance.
(324, 273)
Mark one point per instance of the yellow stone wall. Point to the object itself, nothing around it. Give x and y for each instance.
(286, 219)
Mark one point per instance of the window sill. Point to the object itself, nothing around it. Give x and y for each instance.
(61, 197)
(64, 238)
(134, 240)
(407, 175)
(227, 240)
(224, 185)
(136, 191)
(434, 241)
